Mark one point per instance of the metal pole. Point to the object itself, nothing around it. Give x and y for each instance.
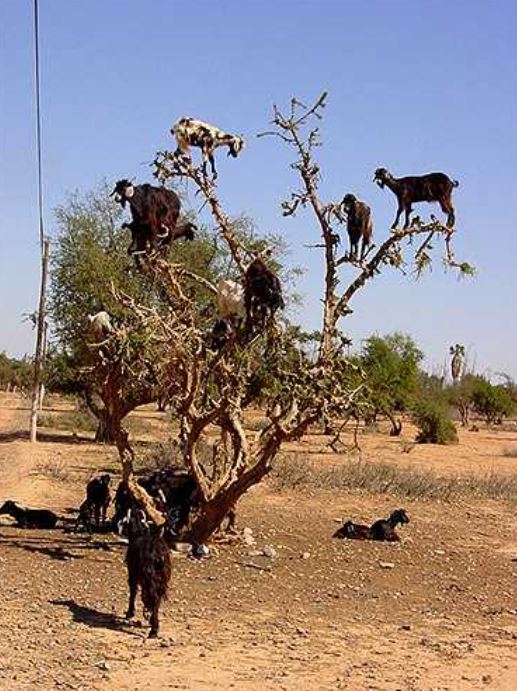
(40, 338)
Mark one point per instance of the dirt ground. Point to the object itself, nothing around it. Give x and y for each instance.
(437, 611)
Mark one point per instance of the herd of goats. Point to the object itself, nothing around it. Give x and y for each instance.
(175, 495)
(154, 225)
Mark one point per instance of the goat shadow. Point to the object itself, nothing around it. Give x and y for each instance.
(95, 619)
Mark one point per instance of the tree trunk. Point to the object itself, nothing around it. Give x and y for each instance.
(104, 433)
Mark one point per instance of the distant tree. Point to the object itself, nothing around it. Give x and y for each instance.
(491, 402)
(391, 366)
(460, 395)
(15, 372)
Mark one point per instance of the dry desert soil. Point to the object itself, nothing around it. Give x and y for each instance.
(436, 611)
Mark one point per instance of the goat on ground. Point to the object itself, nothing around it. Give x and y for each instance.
(174, 491)
(359, 224)
(262, 294)
(98, 496)
(149, 566)
(29, 518)
(155, 212)
(352, 531)
(382, 530)
(433, 187)
(190, 132)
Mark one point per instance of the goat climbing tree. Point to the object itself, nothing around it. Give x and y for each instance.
(208, 389)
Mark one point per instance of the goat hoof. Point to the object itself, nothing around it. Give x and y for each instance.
(129, 614)
(153, 634)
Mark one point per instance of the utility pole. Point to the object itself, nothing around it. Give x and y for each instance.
(40, 341)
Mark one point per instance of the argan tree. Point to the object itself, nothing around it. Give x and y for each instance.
(208, 389)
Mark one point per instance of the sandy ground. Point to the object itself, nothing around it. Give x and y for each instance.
(437, 611)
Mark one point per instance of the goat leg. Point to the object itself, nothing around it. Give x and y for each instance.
(154, 621)
(396, 221)
(133, 587)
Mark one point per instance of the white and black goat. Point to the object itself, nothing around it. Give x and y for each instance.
(190, 132)
(432, 187)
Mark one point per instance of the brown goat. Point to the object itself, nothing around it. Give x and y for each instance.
(359, 224)
(433, 187)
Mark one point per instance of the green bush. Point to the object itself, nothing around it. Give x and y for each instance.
(492, 402)
(432, 419)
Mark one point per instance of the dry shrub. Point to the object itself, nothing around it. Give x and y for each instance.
(300, 472)
(57, 470)
(70, 421)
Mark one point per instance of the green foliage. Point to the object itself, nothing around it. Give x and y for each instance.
(491, 402)
(432, 419)
(391, 365)
(15, 372)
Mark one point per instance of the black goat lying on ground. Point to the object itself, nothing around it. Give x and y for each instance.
(95, 506)
(148, 565)
(433, 187)
(359, 224)
(29, 518)
(353, 531)
(262, 294)
(383, 529)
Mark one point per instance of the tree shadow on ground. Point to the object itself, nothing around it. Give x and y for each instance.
(95, 619)
(56, 438)
(59, 549)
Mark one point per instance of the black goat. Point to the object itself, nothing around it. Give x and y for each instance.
(433, 187)
(262, 293)
(155, 212)
(174, 491)
(149, 566)
(29, 518)
(384, 529)
(223, 331)
(352, 531)
(98, 497)
(359, 224)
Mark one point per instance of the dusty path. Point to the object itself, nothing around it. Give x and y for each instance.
(443, 616)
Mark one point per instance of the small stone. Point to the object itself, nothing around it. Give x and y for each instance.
(486, 678)
(406, 627)
(270, 552)
(306, 555)
(102, 665)
(386, 564)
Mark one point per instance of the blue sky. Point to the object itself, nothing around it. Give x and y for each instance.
(414, 85)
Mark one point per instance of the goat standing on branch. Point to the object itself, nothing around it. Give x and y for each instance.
(433, 187)
(262, 294)
(100, 325)
(190, 132)
(155, 212)
(359, 225)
